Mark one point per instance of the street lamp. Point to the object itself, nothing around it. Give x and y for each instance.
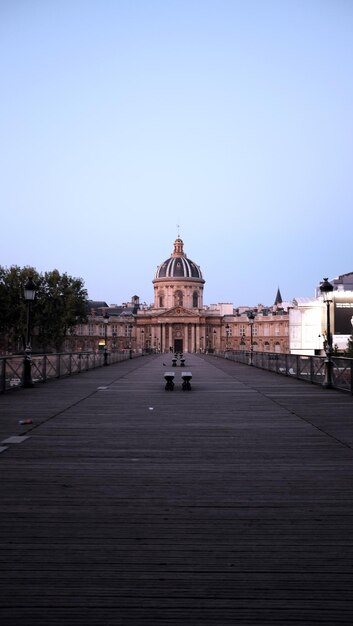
(105, 320)
(29, 295)
(114, 342)
(251, 317)
(227, 334)
(142, 340)
(326, 289)
(214, 339)
(130, 348)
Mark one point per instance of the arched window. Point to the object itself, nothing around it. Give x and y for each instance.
(277, 347)
(178, 298)
(195, 300)
(161, 300)
(266, 346)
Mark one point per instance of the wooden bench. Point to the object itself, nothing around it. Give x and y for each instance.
(186, 377)
(169, 377)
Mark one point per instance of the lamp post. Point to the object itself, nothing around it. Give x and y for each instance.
(130, 348)
(142, 340)
(227, 335)
(29, 295)
(326, 289)
(214, 339)
(251, 317)
(114, 341)
(105, 320)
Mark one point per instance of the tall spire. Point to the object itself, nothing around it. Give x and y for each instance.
(278, 299)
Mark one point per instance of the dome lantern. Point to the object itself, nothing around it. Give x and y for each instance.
(178, 265)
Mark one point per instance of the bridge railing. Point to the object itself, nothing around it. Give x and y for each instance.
(48, 366)
(308, 368)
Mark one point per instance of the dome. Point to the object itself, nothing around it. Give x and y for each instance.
(178, 265)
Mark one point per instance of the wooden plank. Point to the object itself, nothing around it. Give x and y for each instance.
(127, 505)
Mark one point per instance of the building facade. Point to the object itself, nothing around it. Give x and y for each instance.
(178, 320)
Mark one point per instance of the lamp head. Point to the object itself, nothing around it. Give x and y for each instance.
(326, 289)
(251, 316)
(30, 289)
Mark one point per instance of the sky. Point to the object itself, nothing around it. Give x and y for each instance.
(124, 123)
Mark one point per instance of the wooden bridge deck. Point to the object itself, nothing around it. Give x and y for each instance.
(128, 505)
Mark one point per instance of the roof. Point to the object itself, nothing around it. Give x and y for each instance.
(96, 304)
(178, 265)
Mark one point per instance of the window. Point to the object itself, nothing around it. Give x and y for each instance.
(266, 346)
(161, 301)
(128, 330)
(242, 330)
(91, 329)
(255, 330)
(195, 300)
(178, 298)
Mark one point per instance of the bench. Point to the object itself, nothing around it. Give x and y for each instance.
(169, 377)
(186, 377)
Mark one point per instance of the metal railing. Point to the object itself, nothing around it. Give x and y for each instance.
(308, 368)
(48, 366)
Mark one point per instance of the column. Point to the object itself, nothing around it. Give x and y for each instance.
(186, 337)
(192, 338)
(163, 346)
(197, 343)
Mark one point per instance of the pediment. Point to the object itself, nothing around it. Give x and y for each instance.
(178, 311)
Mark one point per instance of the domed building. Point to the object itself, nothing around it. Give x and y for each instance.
(176, 321)
(178, 281)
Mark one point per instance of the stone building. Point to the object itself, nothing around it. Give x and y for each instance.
(178, 320)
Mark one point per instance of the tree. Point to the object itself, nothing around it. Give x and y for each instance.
(13, 308)
(349, 350)
(60, 304)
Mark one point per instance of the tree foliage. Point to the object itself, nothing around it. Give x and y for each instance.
(349, 349)
(60, 304)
